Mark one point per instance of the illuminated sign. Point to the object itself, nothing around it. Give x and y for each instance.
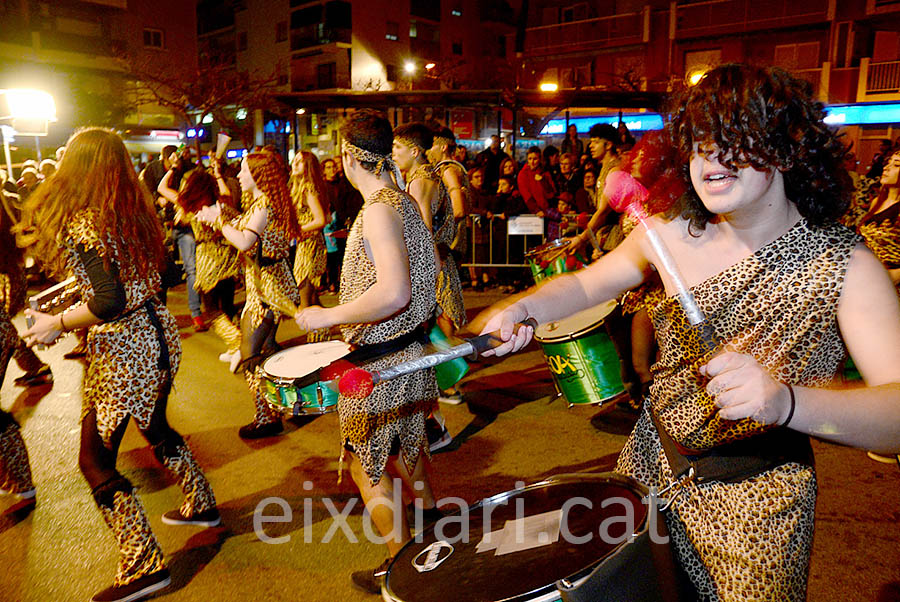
(863, 114)
(635, 123)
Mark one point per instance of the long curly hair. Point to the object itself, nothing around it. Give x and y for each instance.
(96, 174)
(311, 181)
(270, 175)
(765, 118)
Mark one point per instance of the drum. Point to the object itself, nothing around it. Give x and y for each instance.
(528, 544)
(581, 356)
(282, 370)
(550, 259)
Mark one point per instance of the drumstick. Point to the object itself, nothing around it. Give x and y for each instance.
(627, 195)
(358, 382)
(583, 223)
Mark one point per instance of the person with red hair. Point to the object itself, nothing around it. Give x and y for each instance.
(310, 196)
(97, 222)
(263, 234)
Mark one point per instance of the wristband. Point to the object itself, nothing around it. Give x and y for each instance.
(793, 405)
(62, 325)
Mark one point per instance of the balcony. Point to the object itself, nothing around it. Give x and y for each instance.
(880, 7)
(878, 81)
(590, 34)
(725, 17)
(318, 35)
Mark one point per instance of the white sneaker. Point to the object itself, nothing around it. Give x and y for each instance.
(235, 361)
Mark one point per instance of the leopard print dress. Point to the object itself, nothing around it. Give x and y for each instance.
(396, 409)
(748, 540)
(449, 287)
(310, 260)
(268, 286)
(216, 259)
(123, 377)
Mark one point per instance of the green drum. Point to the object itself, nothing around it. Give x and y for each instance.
(550, 259)
(581, 356)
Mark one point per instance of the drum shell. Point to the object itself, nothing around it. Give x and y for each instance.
(584, 364)
(284, 396)
(533, 575)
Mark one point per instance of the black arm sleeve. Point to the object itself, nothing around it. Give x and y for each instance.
(109, 293)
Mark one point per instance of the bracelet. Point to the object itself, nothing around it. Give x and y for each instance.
(793, 405)
(62, 325)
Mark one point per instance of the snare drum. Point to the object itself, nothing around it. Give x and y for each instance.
(567, 532)
(581, 356)
(282, 370)
(550, 259)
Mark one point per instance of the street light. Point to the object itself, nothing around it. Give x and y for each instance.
(409, 67)
(695, 76)
(549, 87)
(28, 113)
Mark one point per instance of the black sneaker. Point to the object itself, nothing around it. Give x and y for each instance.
(207, 518)
(370, 581)
(259, 431)
(139, 589)
(40, 376)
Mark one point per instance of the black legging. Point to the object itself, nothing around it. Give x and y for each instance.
(98, 462)
(220, 298)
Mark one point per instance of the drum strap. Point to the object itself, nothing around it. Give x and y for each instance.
(365, 353)
(738, 461)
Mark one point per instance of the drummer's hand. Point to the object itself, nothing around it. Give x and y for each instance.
(575, 244)
(312, 318)
(504, 322)
(45, 330)
(742, 388)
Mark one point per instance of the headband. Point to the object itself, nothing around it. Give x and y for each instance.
(380, 161)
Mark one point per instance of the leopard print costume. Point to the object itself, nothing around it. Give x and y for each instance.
(270, 289)
(449, 287)
(749, 540)
(396, 408)
(310, 260)
(216, 259)
(123, 377)
(15, 469)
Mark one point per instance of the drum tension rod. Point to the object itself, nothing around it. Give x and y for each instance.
(676, 486)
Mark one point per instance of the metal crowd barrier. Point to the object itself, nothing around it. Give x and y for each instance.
(502, 243)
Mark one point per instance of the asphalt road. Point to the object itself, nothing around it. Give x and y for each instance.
(511, 429)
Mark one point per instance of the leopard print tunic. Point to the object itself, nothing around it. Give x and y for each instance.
(270, 286)
(310, 261)
(449, 287)
(122, 377)
(749, 540)
(396, 409)
(216, 259)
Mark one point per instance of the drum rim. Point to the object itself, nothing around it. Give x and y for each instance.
(550, 245)
(575, 477)
(290, 379)
(578, 333)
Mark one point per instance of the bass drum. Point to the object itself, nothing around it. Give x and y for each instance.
(550, 541)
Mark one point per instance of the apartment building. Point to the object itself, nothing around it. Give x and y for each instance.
(74, 49)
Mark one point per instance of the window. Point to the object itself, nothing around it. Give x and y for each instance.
(413, 31)
(456, 11)
(281, 31)
(392, 31)
(798, 56)
(326, 74)
(242, 41)
(391, 72)
(154, 38)
(501, 47)
(457, 47)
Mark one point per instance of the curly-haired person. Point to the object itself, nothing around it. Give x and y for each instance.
(262, 234)
(788, 291)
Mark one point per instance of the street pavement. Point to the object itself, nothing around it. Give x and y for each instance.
(512, 428)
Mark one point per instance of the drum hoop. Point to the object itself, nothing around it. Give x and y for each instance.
(562, 338)
(287, 380)
(580, 574)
